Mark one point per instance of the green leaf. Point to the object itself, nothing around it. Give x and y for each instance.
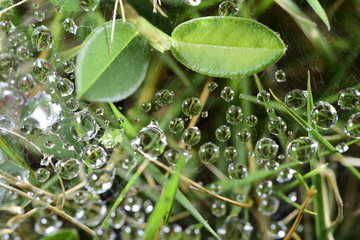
(67, 5)
(64, 234)
(319, 11)
(163, 207)
(226, 46)
(109, 72)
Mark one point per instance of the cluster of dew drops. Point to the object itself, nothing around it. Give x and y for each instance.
(37, 98)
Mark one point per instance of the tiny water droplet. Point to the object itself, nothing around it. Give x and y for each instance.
(227, 94)
(228, 8)
(280, 76)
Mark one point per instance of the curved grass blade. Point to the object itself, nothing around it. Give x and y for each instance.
(316, 6)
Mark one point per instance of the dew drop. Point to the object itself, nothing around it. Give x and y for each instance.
(302, 149)
(42, 69)
(268, 206)
(41, 201)
(150, 140)
(349, 98)
(296, 99)
(212, 86)
(69, 25)
(99, 181)
(264, 189)
(9, 66)
(280, 76)
(234, 115)
(237, 171)
(251, 120)
(23, 53)
(117, 218)
(278, 230)
(263, 97)
(146, 107)
(92, 214)
(324, 115)
(174, 154)
(89, 5)
(68, 168)
(228, 8)
(192, 2)
(218, 208)
(352, 126)
(42, 174)
(39, 15)
(266, 149)
(68, 66)
(191, 136)
(94, 156)
(81, 196)
(209, 152)
(223, 133)
(243, 136)
(164, 97)
(277, 126)
(42, 38)
(47, 225)
(191, 106)
(230, 153)
(176, 125)
(65, 87)
(227, 94)
(83, 126)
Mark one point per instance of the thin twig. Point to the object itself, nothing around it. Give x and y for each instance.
(310, 193)
(19, 218)
(12, 6)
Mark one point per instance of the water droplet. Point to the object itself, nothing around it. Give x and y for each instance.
(235, 228)
(243, 135)
(99, 181)
(41, 201)
(302, 149)
(81, 196)
(218, 208)
(191, 106)
(192, 2)
(192, 232)
(191, 136)
(228, 8)
(227, 94)
(94, 156)
(285, 175)
(266, 149)
(23, 53)
(146, 107)
(223, 133)
(280, 76)
(83, 126)
(352, 126)
(204, 114)
(209, 152)
(26, 83)
(42, 70)
(69, 66)
(269, 205)
(212, 86)
(117, 218)
(72, 104)
(65, 87)
(251, 120)
(230, 153)
(296, 99)
(39, 15)
(174, 154)
(264, 189)
(70, 26)
(237, 171)
(92, 214)
(133, 204)
(128, 163)
(216, 188)
(277, 126)
(324, 115)
(234, 115)
(9, 66)
(47, 225)
(5, 26)
(42, 174)
(278, 230)
(171, 232)
(68, 168)
(349, 98)
(41, 112)
(132, 232)
(89, 5)
(49, 144)
(150, 140)
(42, 38)
(176, 125)
(263, 97)
(148, 206)
(164, 97)
(271, 165)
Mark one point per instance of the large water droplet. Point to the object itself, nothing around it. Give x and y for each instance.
(324, 115)
(191, 136)
(234, 115)
(92, 214)
(83, 126)
(209, 152)
(266, 149)
(176, 125)
(42, 38)
(42, 70)
(296, 99)
(65, 87)
(349, 98)
(269, 205)
(99, 181)
(8, 65)
(227, 94)
(352, 126)
(263, 97)
(164, 97)
(150, 141)
(237, 171)
(68, 168)
(302, 149)
(277, 126)
(191, 106)
(223, 133)
(243, 135)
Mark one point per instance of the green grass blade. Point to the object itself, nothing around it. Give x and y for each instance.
(129, 129)
(294, 204)
(163, 207)
(316, 6)
(181, 198)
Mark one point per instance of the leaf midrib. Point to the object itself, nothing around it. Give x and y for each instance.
(82, 93)
(223, 46)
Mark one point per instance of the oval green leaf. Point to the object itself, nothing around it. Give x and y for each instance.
(110, 72)
(226, 46)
